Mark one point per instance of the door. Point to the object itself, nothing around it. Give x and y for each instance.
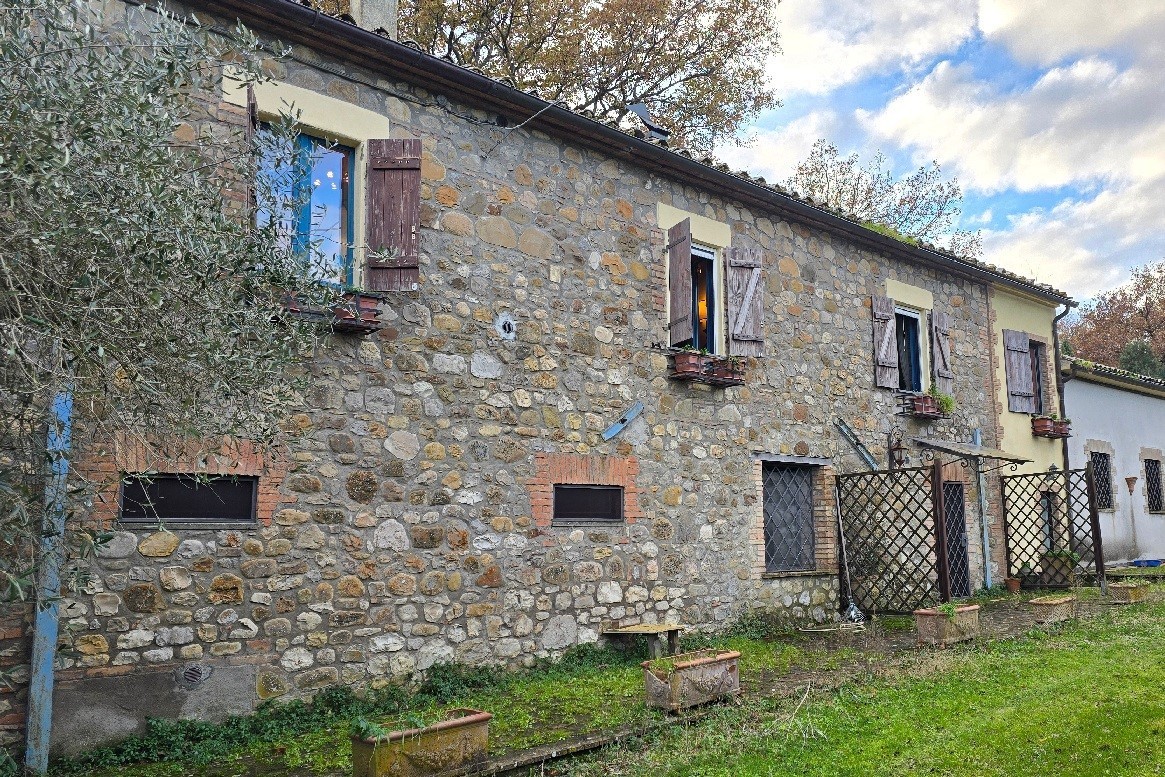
(788, 510)
(955, 521)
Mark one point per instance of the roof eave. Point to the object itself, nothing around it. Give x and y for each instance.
(294, 23)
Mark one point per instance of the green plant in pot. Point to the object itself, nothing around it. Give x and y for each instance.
(945, 402)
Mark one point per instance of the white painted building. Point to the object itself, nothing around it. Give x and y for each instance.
(1118, 424)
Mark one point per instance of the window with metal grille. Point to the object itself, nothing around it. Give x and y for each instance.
(587, 504)
(1153, 485)
(188, 499)
(1102, 476)
(788, 517)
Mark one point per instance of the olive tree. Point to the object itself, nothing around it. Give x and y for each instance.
(133, 277)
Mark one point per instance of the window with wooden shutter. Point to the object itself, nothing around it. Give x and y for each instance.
(679, 268)
(940, 335)
(885, 343)
(1018, 366)
(746, 313)
(394, 214)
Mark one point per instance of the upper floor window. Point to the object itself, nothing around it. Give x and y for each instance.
(1024, 361)
(908, 334)
(306, 189)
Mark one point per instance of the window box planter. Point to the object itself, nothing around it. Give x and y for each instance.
(936, 627)
(1051, 428)
(920, 406)
(707, 368)
(459, 740)
(1054, 609)
(688, 679)
(354, 313)
(1128, 592)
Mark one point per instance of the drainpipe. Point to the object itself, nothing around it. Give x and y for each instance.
(980, 484)
(1059, 375)
(48, 590)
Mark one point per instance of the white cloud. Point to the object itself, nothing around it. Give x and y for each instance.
(1084, 122)
(1084, 246)
(1045, 33)
(830, 43)
(774, 154)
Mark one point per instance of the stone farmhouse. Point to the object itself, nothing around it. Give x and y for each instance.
(525, 446)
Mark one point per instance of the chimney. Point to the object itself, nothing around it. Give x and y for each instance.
(376, 15)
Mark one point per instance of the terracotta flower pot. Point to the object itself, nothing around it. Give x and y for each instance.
(1043, 426)
(688, 363)
(1062, 428)
(1012, 584)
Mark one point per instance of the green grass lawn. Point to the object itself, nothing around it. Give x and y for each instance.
(1087, 700)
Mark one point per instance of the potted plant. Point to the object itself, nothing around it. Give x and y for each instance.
(1043, 426)
(947, 623)
(356, 312)
(924, 406)
(1062, 427)
(943, 401)
(1058, 566)
(685, 680)
(1053, 609)
(688, 361)
(729, 369)
(1012, 584)
(459, 738)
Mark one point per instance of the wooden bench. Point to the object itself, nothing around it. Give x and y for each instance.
(655, 633)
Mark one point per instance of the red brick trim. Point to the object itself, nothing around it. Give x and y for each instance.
(104, 465)
(576, 469)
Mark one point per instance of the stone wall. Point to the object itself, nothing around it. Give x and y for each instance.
(411, 525)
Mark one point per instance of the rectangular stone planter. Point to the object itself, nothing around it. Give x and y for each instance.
(1128, 592)
(459, 740)
(688, 679)
(1054, 609)
(937, 628)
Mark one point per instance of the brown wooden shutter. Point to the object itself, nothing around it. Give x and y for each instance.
(679, 279)
(746, 312)
(394, 215)
(940, 338)
(885, 343)
(1017, 364)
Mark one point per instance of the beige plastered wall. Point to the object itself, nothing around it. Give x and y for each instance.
(709, 233)
(1034, 316)
(324, 117)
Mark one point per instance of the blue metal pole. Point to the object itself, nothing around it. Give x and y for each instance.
(48, 590)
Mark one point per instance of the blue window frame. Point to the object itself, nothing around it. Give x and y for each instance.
(312, 182)
(908, 330)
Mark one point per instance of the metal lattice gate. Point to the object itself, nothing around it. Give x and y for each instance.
(1052, 528)
(887, 519)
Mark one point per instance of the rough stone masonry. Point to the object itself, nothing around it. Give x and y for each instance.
(407, 523)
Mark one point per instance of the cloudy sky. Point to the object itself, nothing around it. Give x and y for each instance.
(1051, 113)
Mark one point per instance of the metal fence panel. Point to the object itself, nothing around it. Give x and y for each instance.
(887, 519)
(1050, 527)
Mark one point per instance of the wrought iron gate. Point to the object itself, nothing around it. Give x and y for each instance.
(1052, 528)
(887, 519)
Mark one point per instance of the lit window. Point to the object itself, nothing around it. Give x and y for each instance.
(310, 190)
(188, 499)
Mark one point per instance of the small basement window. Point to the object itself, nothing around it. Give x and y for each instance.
(188, 499)
(587, 504)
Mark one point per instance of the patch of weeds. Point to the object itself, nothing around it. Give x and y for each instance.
(446, 682)
(889, 624)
